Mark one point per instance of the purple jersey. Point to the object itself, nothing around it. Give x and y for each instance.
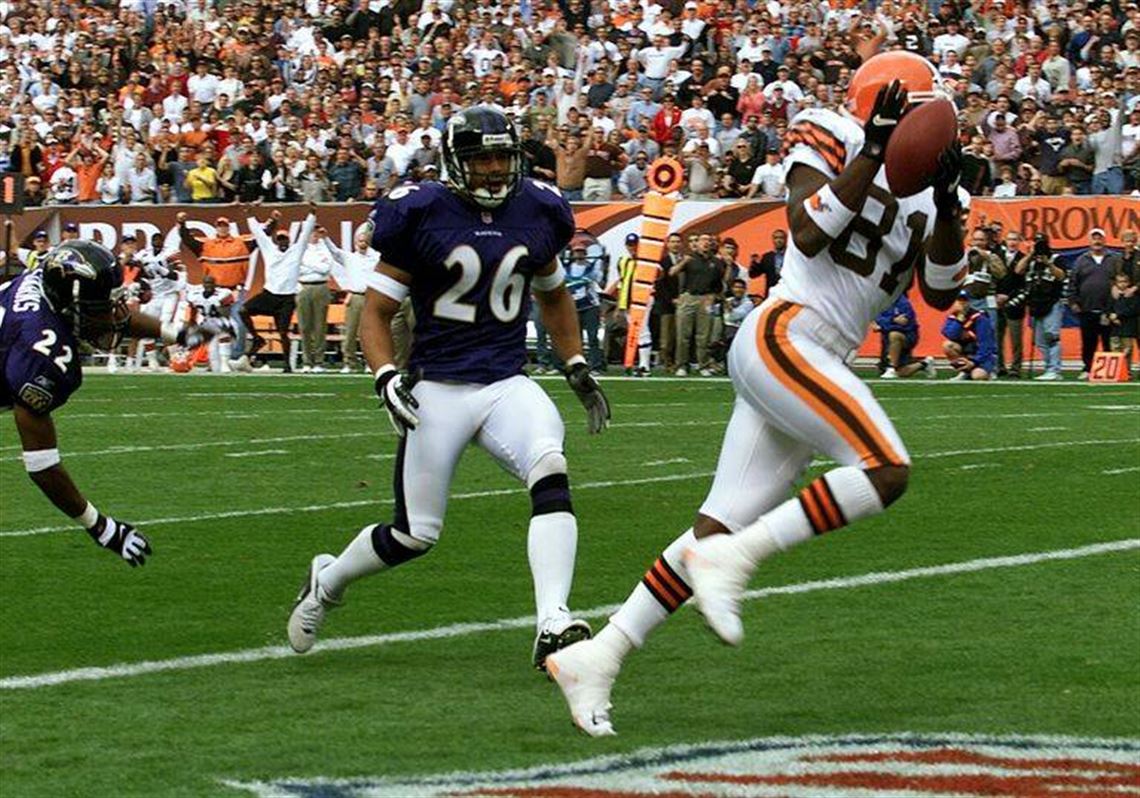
(39, 356)
(471, 270)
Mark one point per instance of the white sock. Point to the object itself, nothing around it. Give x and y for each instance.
(358, 559)
(551, 545)
(614, 644)
(661, 592)
(152, 355)
(643, 353)
(838, 498)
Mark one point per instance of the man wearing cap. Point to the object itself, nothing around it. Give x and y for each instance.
(622, 289)
(70, 232)
(970, 344)
(33, 258)
(225, 257)
(1090, 289)
(768, 179)
(278, 296)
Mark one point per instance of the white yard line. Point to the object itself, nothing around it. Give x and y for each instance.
(670, 461)
(316, 508)
(374, 502)
(975, 466)
(1114, 471)
(132, 669)
(1047, 429)
(261, 453)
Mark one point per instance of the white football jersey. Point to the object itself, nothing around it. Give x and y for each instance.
(209, 307)
(871, 262)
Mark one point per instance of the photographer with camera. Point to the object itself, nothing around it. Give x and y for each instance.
(1041, 296)
(983, 270)
(1010, 320)
(1090, 292)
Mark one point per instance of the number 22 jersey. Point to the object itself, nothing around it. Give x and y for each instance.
(872, 261)
(39, 355)
(470, 273)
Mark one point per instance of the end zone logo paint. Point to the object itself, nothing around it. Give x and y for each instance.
(804, 767)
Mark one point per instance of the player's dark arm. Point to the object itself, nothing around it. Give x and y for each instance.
(945, 267)
(819, 209)
(41, 459)
(189, 240)
(38, 439)
(559, 315)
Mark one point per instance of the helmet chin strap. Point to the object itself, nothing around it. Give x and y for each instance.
(487, 199)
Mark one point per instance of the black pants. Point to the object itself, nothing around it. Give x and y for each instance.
(1091, 332)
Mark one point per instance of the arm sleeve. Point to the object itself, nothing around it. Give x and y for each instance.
(258, 232)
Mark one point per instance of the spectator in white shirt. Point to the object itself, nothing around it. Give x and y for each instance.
(174, 106)
(202, 85)
(142, 183)
(952, 39)
(656, 60)
(768, 179)
(313, 299)
(792, 92)
(1033, 85)
(697, 116)
(278, 296)
(352, 272)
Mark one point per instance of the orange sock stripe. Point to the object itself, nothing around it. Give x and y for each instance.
(670, 577)
(841, 519)
(827, 399)
(824, 511)
(834, 518)
(663, 596)
(812, 511)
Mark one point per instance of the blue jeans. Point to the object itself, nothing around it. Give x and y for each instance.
(589, 320)
(237, 348)
(571, 194)
(1047, 337)
(1110, 181)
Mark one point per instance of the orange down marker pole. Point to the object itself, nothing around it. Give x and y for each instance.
(665, 178)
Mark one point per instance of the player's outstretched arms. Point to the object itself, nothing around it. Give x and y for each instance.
(42, 461)
(819, 210)
(945, 266)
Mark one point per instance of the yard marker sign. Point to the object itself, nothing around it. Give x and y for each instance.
(665, 178)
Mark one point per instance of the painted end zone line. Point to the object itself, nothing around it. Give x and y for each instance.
(127, 670)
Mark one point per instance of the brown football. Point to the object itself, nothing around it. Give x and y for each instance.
(913, 150)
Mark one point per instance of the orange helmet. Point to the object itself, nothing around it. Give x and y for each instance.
(180, 362)
(917, 75)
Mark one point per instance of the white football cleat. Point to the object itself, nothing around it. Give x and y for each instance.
(930, 367)
(585, 674)
(889, 374)
(718, 575)
(309, 611)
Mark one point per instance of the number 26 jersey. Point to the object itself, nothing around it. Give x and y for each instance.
(470, 272)
(872, 261)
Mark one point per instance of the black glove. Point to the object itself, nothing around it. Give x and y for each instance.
(947, 178)
(121, 538)
(890, 105)
(194, 335)
(395, 390)
(590, 394)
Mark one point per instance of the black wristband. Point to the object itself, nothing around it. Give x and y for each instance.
(873, 151)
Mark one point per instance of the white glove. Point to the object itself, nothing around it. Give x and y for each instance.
(395, 390)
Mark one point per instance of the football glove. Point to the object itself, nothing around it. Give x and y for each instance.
(194, 335)
(395, 390)
(890, 105)
(946, 180)
(590, 394)
(121, 538)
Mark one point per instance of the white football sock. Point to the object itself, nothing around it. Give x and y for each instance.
(838, 498)
(358, 559)
(643, 353)
(661, 592)
(551, 546)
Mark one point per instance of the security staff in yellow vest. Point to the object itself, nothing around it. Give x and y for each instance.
(621, 288)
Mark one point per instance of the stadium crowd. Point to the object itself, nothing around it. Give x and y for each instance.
(198, 101)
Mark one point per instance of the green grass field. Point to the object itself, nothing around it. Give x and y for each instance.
(238, 482)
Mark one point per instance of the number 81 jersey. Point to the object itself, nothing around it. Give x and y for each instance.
(470, 272)
(862, 271)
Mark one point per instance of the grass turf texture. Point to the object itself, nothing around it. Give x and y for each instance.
(1044, 648)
